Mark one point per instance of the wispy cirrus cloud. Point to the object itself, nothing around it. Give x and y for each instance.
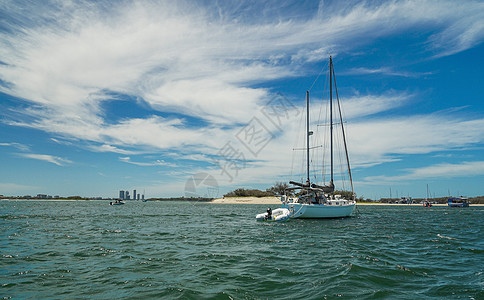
(207, 65)
(45, 157)
(204, 64)
(158, 162)
(48, 158)
(366, 105)
(461, 34)
(110, 148)
(438, 171)
(371, 141)
(380, 140)
(384, 71)
(19, 146)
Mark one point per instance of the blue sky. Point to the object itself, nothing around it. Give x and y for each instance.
(97, 97)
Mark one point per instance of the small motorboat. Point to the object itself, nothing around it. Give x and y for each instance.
(276, 215)
(117, 202)
(458, 202)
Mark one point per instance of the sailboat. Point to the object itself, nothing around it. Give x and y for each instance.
(314, 200)
(427, 203)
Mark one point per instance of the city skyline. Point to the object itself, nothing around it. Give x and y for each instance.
(160, 96)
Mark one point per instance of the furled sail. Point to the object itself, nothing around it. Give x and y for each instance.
(326, 188)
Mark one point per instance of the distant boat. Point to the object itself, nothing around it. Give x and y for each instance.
(320, 201)
(427, 203)
(458, 202)
(405, 200)
(116, 202)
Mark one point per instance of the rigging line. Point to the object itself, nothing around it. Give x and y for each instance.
(321, 72)
(313, 147)
(322, 100)
(322, 125)
(343, 132)
(341, 159)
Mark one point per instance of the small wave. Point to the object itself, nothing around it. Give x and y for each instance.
(446, 237)
(223, 253)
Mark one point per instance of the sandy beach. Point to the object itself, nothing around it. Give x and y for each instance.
(248, 200)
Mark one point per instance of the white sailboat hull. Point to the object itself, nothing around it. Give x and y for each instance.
(319, 211)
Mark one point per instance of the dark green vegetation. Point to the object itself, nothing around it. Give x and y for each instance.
(278, 189)
(248, 193)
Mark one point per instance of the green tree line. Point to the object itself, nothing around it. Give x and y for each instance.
(276, 190)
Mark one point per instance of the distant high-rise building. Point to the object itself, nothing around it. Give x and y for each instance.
(143, 197)
(138, 197)
(121, 195)
(127, 195)
(134, 194)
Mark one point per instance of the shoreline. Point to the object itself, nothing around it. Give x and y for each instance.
(231, 200)
(277, 200)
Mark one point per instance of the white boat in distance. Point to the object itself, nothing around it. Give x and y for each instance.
(321, 201)
(116, 202)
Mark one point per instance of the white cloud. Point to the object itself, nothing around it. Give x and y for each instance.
(19, 146)
(61, 142)
(109, 148)
(204, 62)
(443, 170)
(462, 33)
(366, 105)
(158, 162)
(385, 71)
(49, 158)
(380, 140)
(370, 142)
(180, 58)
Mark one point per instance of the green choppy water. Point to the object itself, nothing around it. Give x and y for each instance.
(180, 250)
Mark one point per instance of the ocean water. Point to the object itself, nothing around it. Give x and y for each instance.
(180, 250)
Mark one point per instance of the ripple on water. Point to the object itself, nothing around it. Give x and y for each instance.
(196, 251)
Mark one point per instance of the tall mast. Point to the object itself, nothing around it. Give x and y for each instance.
(331, 110)
(343, 132)
(307, 132)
